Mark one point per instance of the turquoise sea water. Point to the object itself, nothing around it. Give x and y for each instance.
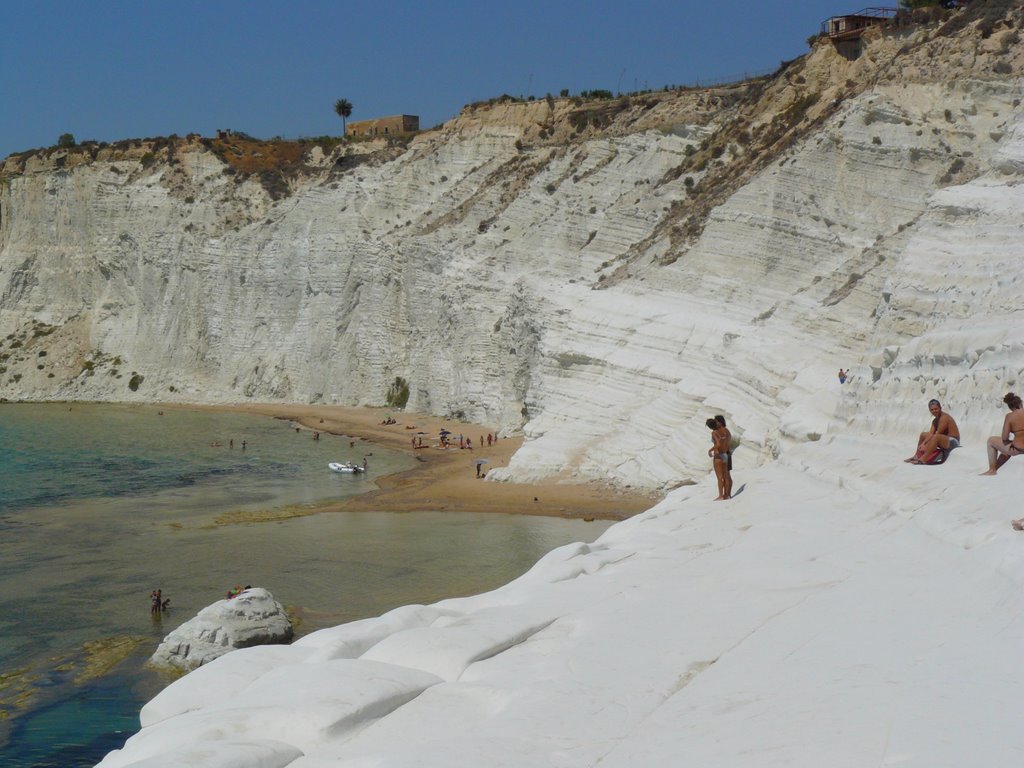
(100, 504)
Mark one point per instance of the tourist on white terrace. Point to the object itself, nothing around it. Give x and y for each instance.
(934, 445)
(1002, 447)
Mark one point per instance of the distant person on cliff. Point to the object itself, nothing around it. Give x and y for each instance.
(1002, 448)
(719, 453)
(944, 435)
(843, 375)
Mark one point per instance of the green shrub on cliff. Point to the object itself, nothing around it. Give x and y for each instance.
(398, 393)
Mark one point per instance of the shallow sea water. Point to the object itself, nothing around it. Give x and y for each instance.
(101, 504)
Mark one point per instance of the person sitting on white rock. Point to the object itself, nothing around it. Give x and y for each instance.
(1002, 448)
(943, 436)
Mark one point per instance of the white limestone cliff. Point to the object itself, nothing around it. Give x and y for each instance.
(605, 289)
(569, 273)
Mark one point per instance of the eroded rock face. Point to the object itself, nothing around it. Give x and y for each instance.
(252, 618)
(598, 285)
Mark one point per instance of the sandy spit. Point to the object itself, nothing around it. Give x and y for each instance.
(443, 479)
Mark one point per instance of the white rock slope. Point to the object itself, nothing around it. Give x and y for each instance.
(846, 609)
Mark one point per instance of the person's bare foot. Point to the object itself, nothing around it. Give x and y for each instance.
(720, 498)
(990, 472)
(911, 460)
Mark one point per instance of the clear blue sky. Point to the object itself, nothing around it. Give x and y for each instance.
(114, 69)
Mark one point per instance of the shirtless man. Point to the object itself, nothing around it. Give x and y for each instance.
(1001, 448)
(943, 434)
(719, 452)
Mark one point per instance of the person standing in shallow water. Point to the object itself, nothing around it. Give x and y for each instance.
(1001, 448)
(719, 453)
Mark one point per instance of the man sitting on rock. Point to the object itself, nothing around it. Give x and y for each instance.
(936, 443)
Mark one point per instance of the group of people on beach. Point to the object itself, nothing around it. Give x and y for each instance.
(935, 445)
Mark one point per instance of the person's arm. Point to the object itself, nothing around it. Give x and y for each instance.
(1006, 429)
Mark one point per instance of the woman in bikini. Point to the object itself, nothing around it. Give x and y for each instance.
(1002, 448)
(719, 452)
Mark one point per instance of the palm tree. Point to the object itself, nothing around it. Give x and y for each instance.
(343, 107)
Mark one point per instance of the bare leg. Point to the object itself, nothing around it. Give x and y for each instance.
(727, 486)
(931, 444)
(921, 439)
(998, 454)
(720, 476)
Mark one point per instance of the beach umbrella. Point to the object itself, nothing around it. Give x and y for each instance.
(478, 462)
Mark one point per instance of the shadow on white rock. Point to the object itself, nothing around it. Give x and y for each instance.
(254, 617)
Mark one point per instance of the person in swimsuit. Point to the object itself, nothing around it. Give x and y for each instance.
(719, 453)
(1001, 448)
(728, 435)
(944, 434)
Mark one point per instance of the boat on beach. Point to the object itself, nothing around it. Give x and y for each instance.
(346, 467)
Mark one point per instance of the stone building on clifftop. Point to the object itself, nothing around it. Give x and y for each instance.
(396, 125)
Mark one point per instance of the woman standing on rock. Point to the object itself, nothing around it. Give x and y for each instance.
(719, 452)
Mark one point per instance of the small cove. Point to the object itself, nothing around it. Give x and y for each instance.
(102, 503)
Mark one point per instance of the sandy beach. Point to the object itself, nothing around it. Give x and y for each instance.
(443, 479)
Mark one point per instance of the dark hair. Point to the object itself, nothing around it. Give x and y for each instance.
(1013, 401)
(720, 419)
(711, 424)
(933, 401)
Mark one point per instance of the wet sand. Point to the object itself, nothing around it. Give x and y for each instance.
(443, 479)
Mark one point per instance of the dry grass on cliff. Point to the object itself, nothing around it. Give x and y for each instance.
(247, 155)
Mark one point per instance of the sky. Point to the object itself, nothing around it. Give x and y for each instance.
(116, 69)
